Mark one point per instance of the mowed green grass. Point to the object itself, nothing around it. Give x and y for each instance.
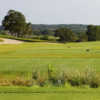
(24, 58)
(54, 94)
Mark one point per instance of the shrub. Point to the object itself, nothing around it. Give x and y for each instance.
(94, 82)
(28, 83)
(87, 50)
(42, 81)
(5, 82)
(18, 82)
(75, 79)
(21, 82)
(35, 74)
(87, 77)
(52, 75)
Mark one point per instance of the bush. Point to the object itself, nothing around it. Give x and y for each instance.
(21, 82)
(87, 50)
(92, 78)
(87, 77)
(42, 81)
(28, 83)
(35, 74)
(52, 75)
(74, 78)
(5, 82)
(94, 83)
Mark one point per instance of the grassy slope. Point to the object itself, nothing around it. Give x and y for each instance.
(23, 58)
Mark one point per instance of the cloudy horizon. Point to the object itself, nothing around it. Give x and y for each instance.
(55, 11)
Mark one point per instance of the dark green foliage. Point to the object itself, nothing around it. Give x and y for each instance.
(93, 33)
(2, 32)
(94, 84)
(15, 23)
(74, 82)
(87, 50)
(35, 75)
(47, 32)
(44, 37)
(66, 35)
(74, 27)
(97, 33)
(28, 30)
(82, 37)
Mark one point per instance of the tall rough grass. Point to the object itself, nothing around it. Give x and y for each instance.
(56, 77)
(74, 77)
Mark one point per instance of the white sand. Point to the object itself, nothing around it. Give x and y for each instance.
(10, 41)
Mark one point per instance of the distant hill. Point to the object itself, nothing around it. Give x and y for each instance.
(75, 27)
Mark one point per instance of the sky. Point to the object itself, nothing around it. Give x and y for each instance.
(55, 11)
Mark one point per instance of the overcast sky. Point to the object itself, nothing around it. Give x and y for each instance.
(55, 11)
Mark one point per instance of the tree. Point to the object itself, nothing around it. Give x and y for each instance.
(15, 23)
(65, 35)
(97, 33)
(91, 33)
(28, 30)
(82, 37)
(47, 32)
(36, 32)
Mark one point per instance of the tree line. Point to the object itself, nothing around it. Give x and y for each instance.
(16, 25)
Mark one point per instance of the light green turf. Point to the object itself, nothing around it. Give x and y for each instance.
(23, 58)
(68, 96)
(52, 94)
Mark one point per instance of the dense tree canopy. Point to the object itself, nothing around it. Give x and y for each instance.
(28, 30)
(97, 33)
(47, 32)
(65, 35)
(15, 23)
(82, 37)
(93, 33)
